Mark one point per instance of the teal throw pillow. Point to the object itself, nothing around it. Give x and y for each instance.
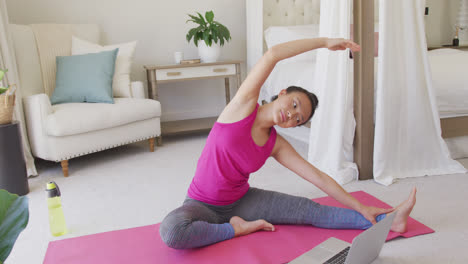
(85, 78)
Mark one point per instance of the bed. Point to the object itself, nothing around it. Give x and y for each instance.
(450, 83)
(271, 20)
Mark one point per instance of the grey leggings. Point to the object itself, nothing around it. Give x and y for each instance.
(197, 224)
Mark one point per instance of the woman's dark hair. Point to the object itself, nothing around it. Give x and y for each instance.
(312, 97)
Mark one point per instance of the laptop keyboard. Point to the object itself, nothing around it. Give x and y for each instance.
(338, 258)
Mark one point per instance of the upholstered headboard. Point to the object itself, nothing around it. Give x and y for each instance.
(290, 12)
(262, 14)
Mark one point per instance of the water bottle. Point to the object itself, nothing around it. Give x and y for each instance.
(56, 217)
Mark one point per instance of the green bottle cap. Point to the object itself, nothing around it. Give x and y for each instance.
(52, 190)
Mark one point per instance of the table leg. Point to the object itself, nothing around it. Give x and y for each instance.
(152, 87)
(226, 87)
(238, 75)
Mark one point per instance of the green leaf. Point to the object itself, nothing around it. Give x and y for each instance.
(192, 32)
(197, 37)
(189, 36)
(225, 32)
(190, 20)
(14, 216)
(2, 73)
(201, 18)
(206, 38)
(209, 16)
(214, 34)
(3, 89)
(195, 19)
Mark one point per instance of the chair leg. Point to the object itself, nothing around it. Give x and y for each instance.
(64, 167)
(151, 143)
(159, 141)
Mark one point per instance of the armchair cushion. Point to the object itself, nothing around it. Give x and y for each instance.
(85, 78)
(123, 63)
(76, 118)
(138, 90)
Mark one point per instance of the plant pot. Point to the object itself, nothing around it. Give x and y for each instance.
(208, 54)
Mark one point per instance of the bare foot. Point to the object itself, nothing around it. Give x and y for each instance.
(242, 227)
(402, 213)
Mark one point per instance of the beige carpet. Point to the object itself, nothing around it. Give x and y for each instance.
(130, 186)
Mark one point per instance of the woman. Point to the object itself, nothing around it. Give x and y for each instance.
(220, 204)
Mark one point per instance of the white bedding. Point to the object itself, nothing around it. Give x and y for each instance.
(450, 81)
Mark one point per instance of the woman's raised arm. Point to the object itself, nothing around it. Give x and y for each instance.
(250, 88)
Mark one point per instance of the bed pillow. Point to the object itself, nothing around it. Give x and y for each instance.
(277, 35)
(84, 78)
(123, 63)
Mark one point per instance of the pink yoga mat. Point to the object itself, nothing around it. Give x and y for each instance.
(144, 245)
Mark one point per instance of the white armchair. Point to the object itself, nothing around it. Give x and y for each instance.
(64, 131)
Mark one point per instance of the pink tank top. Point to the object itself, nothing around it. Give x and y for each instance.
(229, 156)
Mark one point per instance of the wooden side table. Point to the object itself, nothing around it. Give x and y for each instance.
(158, 74)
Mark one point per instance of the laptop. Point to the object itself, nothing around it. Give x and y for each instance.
(364, 249)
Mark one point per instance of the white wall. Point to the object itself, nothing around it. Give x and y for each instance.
(440, 23)
(160, 28)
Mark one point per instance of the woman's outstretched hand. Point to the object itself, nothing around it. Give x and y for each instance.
(342, 44)
(370, 212)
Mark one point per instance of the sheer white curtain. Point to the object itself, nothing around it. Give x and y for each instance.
(8, 61)
(332, 128)
(408, 140)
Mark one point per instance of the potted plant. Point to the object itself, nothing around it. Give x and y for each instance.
(213, 34)
(7, 101)
(14, 216)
